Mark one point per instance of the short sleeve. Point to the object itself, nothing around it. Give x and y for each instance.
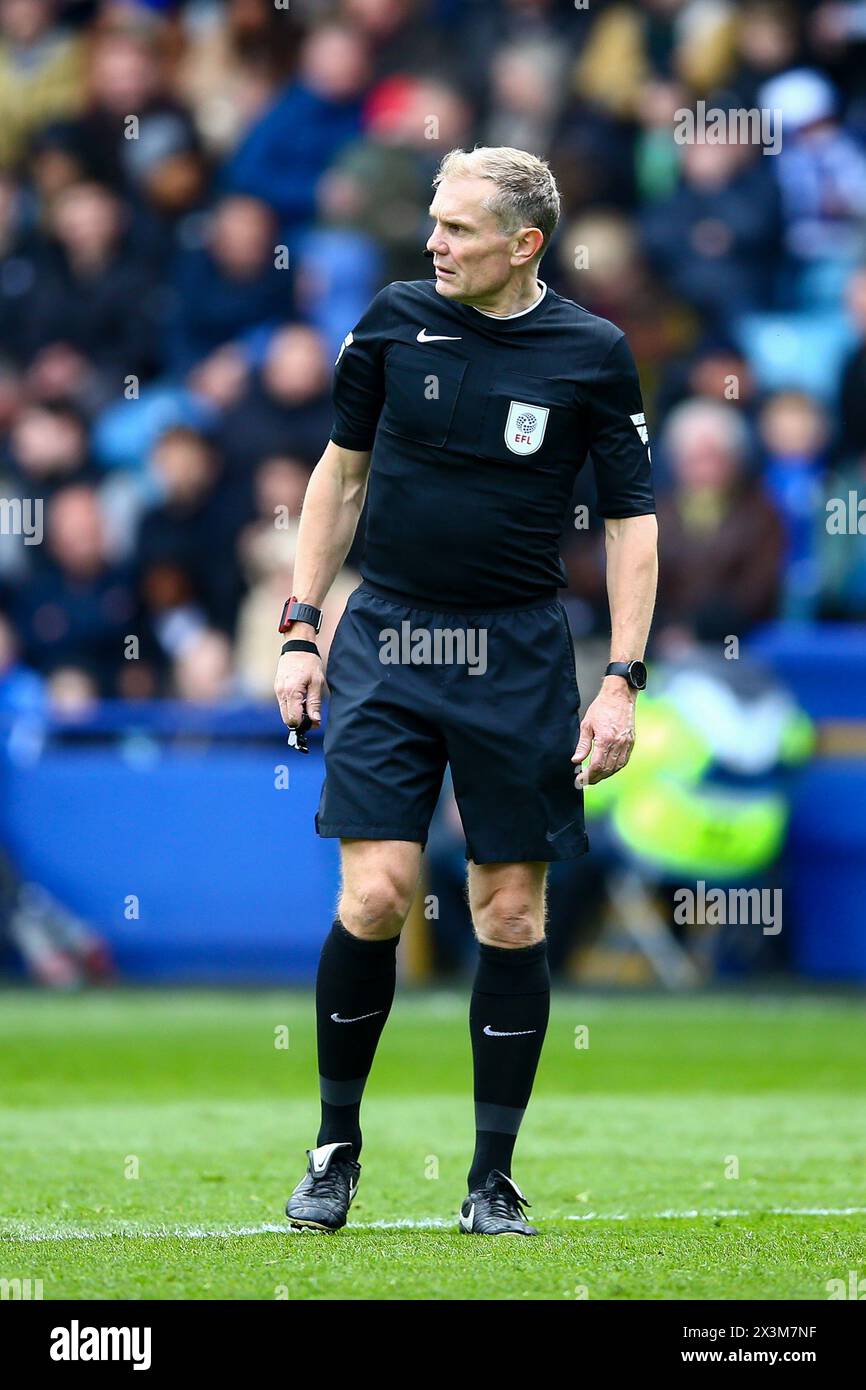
(618, 438)
(359, 377)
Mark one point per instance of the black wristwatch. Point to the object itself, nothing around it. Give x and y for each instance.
(634, 672)
(294, 612)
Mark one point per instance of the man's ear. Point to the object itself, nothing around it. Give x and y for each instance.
(527, 244)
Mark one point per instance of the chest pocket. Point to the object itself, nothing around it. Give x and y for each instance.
(528, 420)
(421, 391)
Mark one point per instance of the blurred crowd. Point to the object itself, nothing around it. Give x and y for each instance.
(198, 200)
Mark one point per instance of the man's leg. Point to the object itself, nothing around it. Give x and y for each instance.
(357, 975)
(510, 1005)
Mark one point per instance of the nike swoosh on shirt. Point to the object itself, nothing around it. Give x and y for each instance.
(425, 337)
(336, 1017)
(521, 1032)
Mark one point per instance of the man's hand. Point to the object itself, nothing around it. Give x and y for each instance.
(608, 729)
(300, 680)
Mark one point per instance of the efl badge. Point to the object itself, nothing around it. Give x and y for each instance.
(525, 426)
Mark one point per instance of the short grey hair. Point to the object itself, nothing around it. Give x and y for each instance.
(702, 412)
(526, 192)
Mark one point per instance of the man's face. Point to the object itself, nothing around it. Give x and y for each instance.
(472, 256)
(22, 21)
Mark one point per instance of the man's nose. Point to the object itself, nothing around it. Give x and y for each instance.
(436, 242)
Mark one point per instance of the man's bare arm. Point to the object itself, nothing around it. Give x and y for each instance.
(329, 519)
(632, 574)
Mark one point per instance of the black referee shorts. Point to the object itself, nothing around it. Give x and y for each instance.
(494, 694)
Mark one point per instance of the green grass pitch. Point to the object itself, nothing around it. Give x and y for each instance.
(709, 1147)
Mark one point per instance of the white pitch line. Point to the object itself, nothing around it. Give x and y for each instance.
(431, 1223)
(716, 1211)
(228, 1233)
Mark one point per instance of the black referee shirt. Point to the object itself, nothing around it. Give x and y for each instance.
(477, 427)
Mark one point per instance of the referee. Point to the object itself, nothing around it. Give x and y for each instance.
(464, 406)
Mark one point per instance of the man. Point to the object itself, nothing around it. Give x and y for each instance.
(468, 403)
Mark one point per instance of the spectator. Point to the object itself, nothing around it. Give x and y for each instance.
(633, 44)
(528, 88)
(79, 608)
(714, 367)
(126, 433)
(131, 120)
(794, 432)
(380, 184)
(288, 149)
(238, 53)
(723, 549)
(657, 156)
(186, 543)
(726, 215)
(72, 691)
(821, 170)
(398, 40)
(48, 450)
(91, 295)
(278, 494)
(601, 266)
(40, 73)
(202, 672)
(229, 286)
(769, 40)
(286, 403)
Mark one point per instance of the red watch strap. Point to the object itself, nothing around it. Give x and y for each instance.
(285, 621)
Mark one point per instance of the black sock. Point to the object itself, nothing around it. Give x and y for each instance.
(355, 983)
(507, 1023)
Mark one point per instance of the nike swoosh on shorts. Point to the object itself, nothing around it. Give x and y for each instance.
(556, 833)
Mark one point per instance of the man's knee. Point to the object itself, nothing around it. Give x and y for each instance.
(507, 903)
(377, 891)
(509, 920)
(374, 907)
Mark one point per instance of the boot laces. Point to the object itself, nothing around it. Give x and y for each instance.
(506, 1204)
(332, 1183)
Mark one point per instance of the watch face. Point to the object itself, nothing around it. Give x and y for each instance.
(637, 675)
